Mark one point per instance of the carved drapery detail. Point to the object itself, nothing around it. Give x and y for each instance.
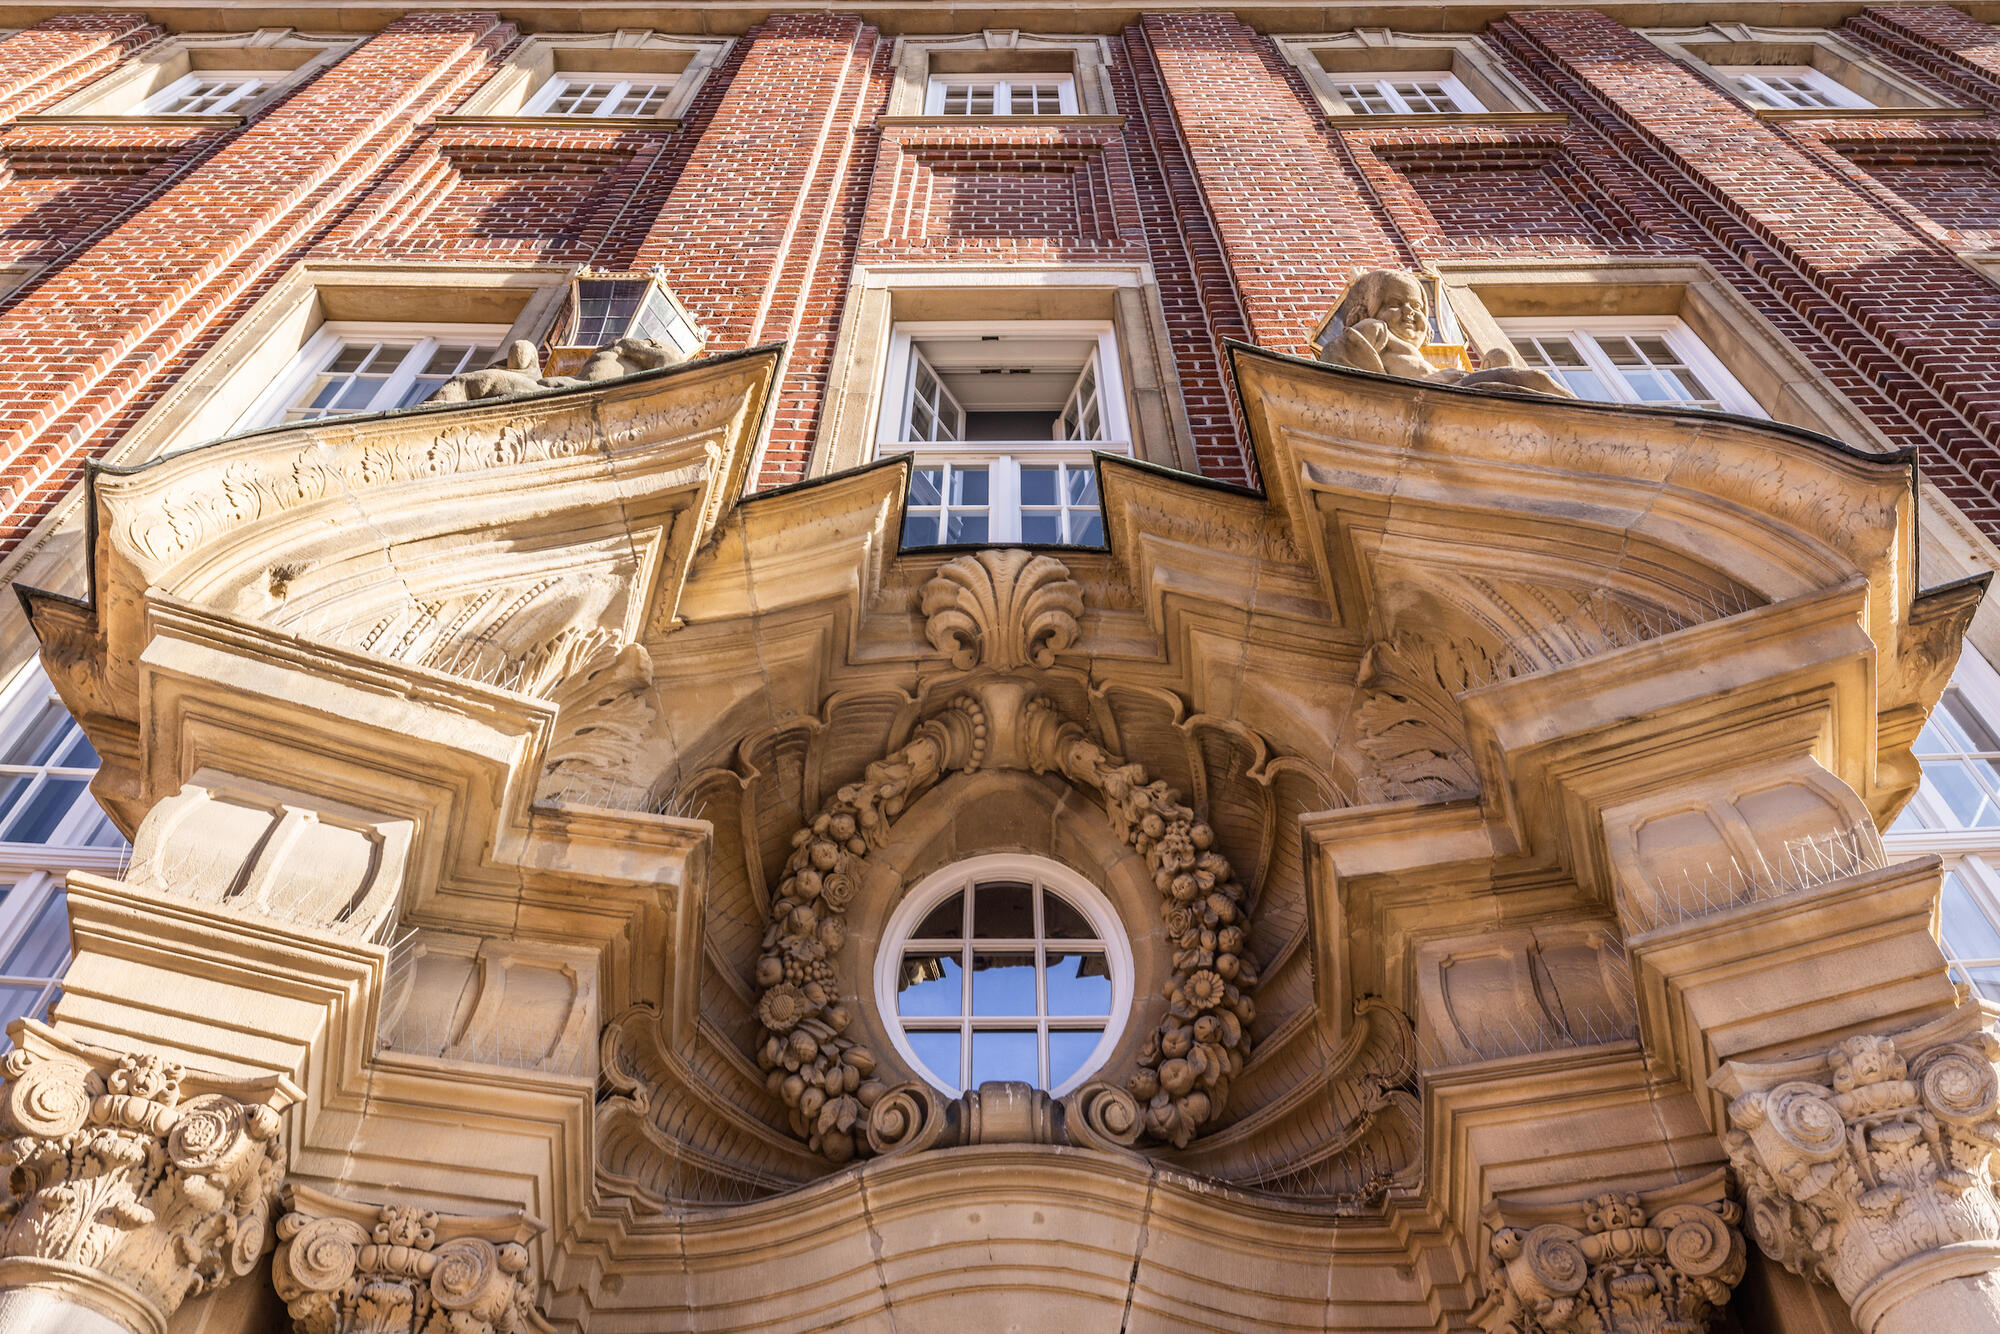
(1886, 1156)
(159, 1184)
(1002, 609)
(826, 1079)
(347, 1268)
(1621, 1263)
(912, 1117)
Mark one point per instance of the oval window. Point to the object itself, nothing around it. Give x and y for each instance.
(1004, 968)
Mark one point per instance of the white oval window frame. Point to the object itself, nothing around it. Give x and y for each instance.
(1078, 892)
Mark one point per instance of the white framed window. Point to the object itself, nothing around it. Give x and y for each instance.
(999, 420)
(608, 95)
(1017, 95)
(1649, 359)
(1789, 87)
(1956, 815)
(1004, 967)
(1404, 94)
(49, 824)
(205, 92)
(346, 369)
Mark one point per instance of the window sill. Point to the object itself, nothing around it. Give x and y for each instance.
(227, 120)
(952, 122)
(1392, 120)
(565, 122)
(1868, 113)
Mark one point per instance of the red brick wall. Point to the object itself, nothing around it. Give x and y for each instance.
(1251, 209)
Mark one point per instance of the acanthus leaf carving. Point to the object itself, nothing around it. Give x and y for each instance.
(348, 1268)
(122, 1166)
(1886, 1156)
(1619, 1263)
(1002, 608)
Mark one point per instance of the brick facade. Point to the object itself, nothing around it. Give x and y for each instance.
(1217, 171)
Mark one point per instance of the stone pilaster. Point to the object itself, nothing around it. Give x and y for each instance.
(134, 1184)
(348, 1268)
(1871, 1167)
(1662, 1262)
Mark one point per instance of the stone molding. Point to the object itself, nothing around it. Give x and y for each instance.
(913, 1117)
(1622, 1262)
(134, 1183)
(1871, 1166)
(348, 1268)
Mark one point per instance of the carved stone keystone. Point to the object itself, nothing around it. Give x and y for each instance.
(1663, 1262)
(348, 1268)
(1871, 1167)
(134, 1183)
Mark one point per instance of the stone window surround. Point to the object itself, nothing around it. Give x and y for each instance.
(290, 56)
(1831, 54)
(1321, 58)
(635, 51)
(1087, 60)
(1787, 386)
(1053, 875)
(882, 296)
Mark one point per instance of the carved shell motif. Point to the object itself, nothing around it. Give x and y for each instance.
(1002, 609)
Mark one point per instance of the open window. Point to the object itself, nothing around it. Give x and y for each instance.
(1653, 359)
(1789, 87)
(346, 369)
(1016, 95)
(1405, 94)
(999, 420)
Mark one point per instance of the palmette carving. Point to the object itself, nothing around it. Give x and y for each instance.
(1618, 1267)
(116, 1168)
(1002, 609)
(346, 1268)
(1891, 1158)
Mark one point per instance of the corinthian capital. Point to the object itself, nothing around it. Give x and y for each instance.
(1872, 1167)
(1622, 1263)
(135, 1184)
(347, 1268)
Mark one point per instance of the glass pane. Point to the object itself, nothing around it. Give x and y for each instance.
(1003, 984)
(929, 985)
(19, 1001)
(944, 922)
(605, 307)
(1079, 983)
(939, 1054)
(920, 530)
(1962, 719)
(1960, 792)
(1038, 486)
(42, 951)
(968, 486)
(1987, 980)
(39, 736)
(1086, 530)
(1003, 910)
(927, 486)
(997, 1056)
(1060, 921)
(1082, 486)
(967, 528)
(1967, 929)
(78, 754)
(38, 817)
(1044, 528)
(1067, 1054)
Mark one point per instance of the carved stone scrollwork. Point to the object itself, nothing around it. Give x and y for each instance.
(911, 1118)
(347, 1268)
(134, 1184)
(1002, 609)
(1622, 1263)
(1881, 1159)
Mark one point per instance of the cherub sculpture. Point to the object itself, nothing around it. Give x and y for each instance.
(521, 371)
(1381, 324)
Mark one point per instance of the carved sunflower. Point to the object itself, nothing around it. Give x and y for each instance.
(1205, 990)
(783, 1008)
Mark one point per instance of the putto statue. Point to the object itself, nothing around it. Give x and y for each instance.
(521, 371)
(1381, 325)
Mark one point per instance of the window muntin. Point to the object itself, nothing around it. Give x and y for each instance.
(610, 95)
(999, 420)
(1025, 95)
(1653, 360)
(1789, 87)
(204, 93)
(346, 369)
(1004, 968)
(1405, 94)
(612, 308)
